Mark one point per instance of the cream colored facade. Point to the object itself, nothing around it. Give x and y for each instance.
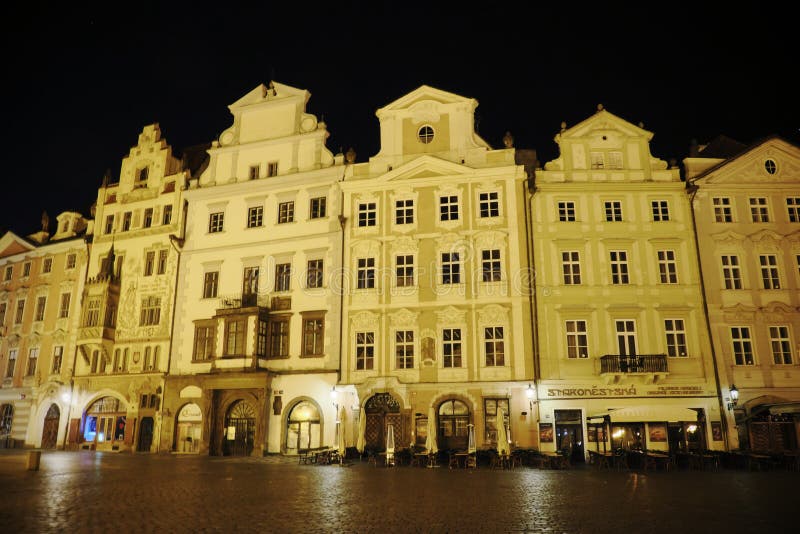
(620, 316)
(256, 340)
(125, 330)
(747, 211)
(437, 314)
(41, 280)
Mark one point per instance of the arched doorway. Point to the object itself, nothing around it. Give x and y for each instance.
(50, 428)
(189, 434)
(105, 422)
(6, 420)
(240, 430)
(145, 435)
(453, 425)
(303, 428)
(382, 410)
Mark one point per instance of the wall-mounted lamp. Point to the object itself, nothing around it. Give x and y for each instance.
(734, 397)
(529, 394)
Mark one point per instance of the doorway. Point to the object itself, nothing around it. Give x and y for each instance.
(240, 430)
(303, 428)
(382, 410)
(50, 429)
(569, 434)
(145, 434)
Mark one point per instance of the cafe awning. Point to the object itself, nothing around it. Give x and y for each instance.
(643, 414)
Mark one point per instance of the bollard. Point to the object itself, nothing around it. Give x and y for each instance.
(33, 460)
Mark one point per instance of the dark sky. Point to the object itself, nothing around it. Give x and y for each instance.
(80, 82)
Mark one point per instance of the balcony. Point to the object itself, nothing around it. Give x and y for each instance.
(243, 300)
(651, 367)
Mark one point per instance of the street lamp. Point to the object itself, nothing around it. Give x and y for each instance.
(529, 394)
(734, 397)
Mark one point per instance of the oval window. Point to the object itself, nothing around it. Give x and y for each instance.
(425, 134)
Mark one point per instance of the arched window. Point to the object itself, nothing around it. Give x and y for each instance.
(105, 421)
(303, 427)
(454, 419)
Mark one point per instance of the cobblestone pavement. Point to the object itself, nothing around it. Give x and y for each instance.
(113, 493)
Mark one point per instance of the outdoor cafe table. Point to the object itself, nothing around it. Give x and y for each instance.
(656, 460)
(459, 459)
(601, 459)
(555, 460)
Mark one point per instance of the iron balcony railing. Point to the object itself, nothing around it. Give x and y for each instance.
(636, 363)
(244, 300)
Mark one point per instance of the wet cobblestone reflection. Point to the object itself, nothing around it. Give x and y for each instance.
(97, 492)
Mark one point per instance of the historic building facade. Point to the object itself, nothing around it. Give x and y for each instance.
(437, 314)
(747, 210)
(256, 339)
(127, 307)
(622, 342)
(41, 280)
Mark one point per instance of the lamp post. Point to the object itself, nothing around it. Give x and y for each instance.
(734, 391)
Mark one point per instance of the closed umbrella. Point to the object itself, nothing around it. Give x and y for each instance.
(430, 441)
(342, 444)
(362, 432)
(471, 449)
(390, 445)
(502, 437)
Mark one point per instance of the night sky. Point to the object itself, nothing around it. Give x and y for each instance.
(81, 83)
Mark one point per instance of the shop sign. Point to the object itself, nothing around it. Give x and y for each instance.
(622, 391)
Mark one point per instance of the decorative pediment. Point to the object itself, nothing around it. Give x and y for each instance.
(451, 315)
(491, 239)
(424, 99)
(59, 335)
(403, 318)
(451, 241)
(493, 314)
(605, 123)
(273, 91)
(728, 236)
(794, 237)
(11, 244)
(364, 321)
(779, 310)
(425, 167)
(404, 244)
(749, 166)
(739, 312)
(366, 248)
(766, 237)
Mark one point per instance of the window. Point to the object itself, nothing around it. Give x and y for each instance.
(793, 209)
(615, 160)
(493, 346)
(203, 342)
(151, 311)
(161, 268)
(779, 343)
(279, 338)
(626, 337)
(619, 267)
(448, 208)
(12, 363)
(313, 336)
(26, 269)
(149, 262)
(451, 268)
(769, 271)
(597, 160)
(255, 172)
(758, 210)
(742, 345)
(234, 337)
(250, 286)
(33, 357)
(667, 268)
(566, 211)
(404, 270)
(425, 134)
(660, 210)
(451, 347)
(318, 208)
(404, 349)
(490, 408)
(255, 216)
(404, 211)
(141, 174)
(314, 273)
(577, 340)
(272, 168)
(262, 329)
(47, 265)
(41, 303)
(126, 221)
(283, 276)
(571, 267)
(147, 221)
(676, 337)
(166, 218)
(723, 213)
(489, 204)
(286, 212)
(71, 260)
(109, 224)
(92, 312)
(365, 273)
(367, 214)
(210, 284)
(490, 265)
(58, 356)
(20, 311)
(613, 210)
(63, 309)
(731, 272)
(770, 166)
(2, 314)
(8, 273)
(216, 222)
(365, 350)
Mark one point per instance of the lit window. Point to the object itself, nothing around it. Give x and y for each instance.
(676, 337)
(742, 345)
(577, 340)
(780, 345)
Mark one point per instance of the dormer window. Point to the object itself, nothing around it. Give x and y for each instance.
(425, 134)
(141, 176)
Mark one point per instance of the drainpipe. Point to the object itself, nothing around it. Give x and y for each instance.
(692, 189)
(342, 226)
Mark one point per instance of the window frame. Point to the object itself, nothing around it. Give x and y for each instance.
(255, 216)
(318, 207)
(566, 211)
(452, 348)
(216, 222)
(364, 344)
(660, 210)
(571, 267)
(742, 346)
(494, 346)
(618, 261)
(577, 339)
(780, 344)
(488, 204)
(667, 266)
(286, 212)
(675, 337)
(210, 284)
